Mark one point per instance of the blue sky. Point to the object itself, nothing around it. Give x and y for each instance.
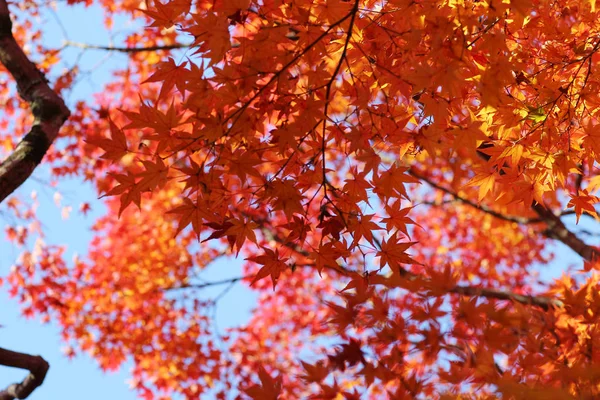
(81, 378)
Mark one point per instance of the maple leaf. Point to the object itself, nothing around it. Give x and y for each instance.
(195, 177)
(593, 184)
(115, 147)
(485, 181)
(272, 265)
(155, 175)
(333, 10)
(470, 137)
(299, 229)
(84, 208)
(371, 159)
(348, 353)
(171, 75)
(515, 153)
(190, 213)
(285, 196)
(328, 392)
(241, 230)
(592, 139)
(583, 201)
(230, 7)
(152, 117)
(363, 227)
(327, 254)
(314, 372)
(165, 15)
(390, 183)
(529, 191)
(357, 187)
(128, 189)
(398, 218)
(242, 163)
(359, 283)
(442, 281)
(220, 230)
(269, 388)
(343, 317)
(393, 253)
(285, 138)
(332, 226)
(211, 35)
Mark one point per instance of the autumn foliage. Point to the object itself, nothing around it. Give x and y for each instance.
(394, 173)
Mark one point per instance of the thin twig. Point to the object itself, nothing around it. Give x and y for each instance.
(119, 49)
(209, 284)
(481, 207)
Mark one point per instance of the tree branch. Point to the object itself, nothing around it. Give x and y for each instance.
(480, 207)
(118, 49)
(208, 284)
(48, 109)
(540, 301)
(36, 365)
(556, 228)
(49, 113)
(470, 291)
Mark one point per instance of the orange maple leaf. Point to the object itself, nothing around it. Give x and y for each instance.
(171, 75)
(272, 265)
(165, 15)
(583, 201)
(115, 147)
(314, 372)
(241, 229)
(393, 253)
(269, 388)
(485, 181)
(190, 212)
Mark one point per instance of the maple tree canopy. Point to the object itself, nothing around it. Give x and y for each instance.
(394, 173)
